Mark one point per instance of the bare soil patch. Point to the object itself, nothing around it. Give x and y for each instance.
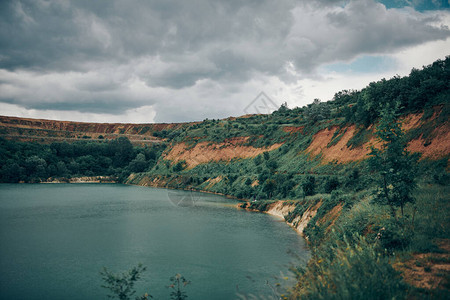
(435, 148)
(205, 152)
(338, 152)
(427, 270)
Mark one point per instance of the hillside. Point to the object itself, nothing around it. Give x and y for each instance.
(291, 146)
(314, 166)
(48, 131)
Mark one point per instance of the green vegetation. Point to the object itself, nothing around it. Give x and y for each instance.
(32, 162)
(351, 268)
(177, 285)
(421, 89)
(291, 173)
(370, 212)
(393, 163)
(121, 286)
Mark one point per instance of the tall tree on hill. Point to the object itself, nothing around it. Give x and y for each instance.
(393, 163)
(123, 151)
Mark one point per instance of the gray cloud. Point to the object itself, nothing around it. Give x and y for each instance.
(361, 27)
(109, 56)
(95, 92)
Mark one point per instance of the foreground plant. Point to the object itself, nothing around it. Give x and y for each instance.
(349, 269)
(178, 283)
(122, 285)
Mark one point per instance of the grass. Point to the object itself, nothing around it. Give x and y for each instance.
(348, 268)
(360, 137)
(432, 217)
(336, 137)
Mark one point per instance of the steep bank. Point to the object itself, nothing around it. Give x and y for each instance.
(286, 211)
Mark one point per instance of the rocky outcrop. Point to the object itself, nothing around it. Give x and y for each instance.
(282, 209)
(84, 179)
(285, 209)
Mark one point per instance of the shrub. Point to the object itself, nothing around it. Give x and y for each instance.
(122, 285)
(360, 137)
(309, 186)
(179, 166)
(331, 184)
(349, 269)
(299, 209)
(178, 282)
(360, 217)
(395, 235)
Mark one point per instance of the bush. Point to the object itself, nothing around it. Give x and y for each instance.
(395, 235)
(179, 166)
(360, 217)
(348, 269)
(309, 186)
(331, 184)
(122, 285)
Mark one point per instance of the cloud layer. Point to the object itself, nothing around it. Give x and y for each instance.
(189, 60)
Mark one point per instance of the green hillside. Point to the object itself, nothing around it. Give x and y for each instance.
(364, 177)
(290, 133)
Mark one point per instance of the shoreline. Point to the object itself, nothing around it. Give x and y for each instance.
(281, 209)
(81, 179)
(278, 209)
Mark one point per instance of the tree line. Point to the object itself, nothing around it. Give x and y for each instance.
(33, 162)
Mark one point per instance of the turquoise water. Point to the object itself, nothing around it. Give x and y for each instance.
(55, 238)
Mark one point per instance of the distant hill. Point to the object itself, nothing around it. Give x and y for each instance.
(293, 141)
(48, 131)
(308, 165)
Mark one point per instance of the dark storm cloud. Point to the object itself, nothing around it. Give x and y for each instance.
(118, 54)
(361, 27)
(59, 35)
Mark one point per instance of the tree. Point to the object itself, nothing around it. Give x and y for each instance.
(139, 164)
(61, 169)
(393, 164)
(36, 167)
(257, 160)
(309, 185)
(122, 150)
(11, 172)
(272, 165)
(317, 111)
(269, 187)
(331, 184)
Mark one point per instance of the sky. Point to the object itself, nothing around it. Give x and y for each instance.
(145, 61)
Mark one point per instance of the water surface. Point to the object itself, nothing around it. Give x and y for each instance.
(55, 238)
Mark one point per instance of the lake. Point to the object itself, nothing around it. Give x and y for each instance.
(55, 239)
